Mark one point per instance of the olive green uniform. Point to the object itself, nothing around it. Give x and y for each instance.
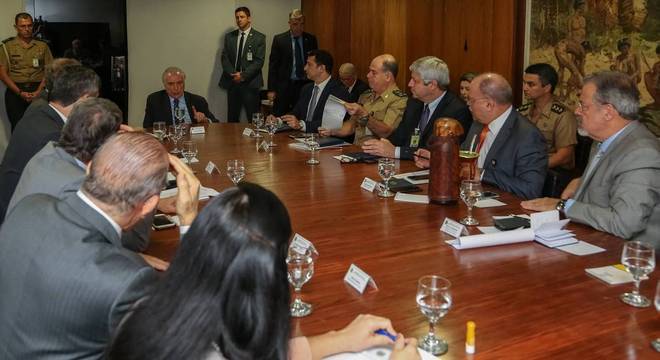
(388, 108)
(557, 124)
(25, 66)
(649, 115)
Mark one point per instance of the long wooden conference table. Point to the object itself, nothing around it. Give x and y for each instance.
(528, 301)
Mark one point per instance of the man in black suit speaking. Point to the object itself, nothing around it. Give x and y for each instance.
(161, 104)
(288, 54)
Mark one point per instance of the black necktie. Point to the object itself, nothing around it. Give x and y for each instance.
(174, 108)
(425, 118)
(240, 52)
(298, 59)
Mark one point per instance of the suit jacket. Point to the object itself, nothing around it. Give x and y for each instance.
(280, 62)
(517, 161)
(358, 88)
(450, 106)
(32, 133)
(333, 87)
(251, 74)
(621, 195)
(159, 108)
(66, 280)
(55, 172)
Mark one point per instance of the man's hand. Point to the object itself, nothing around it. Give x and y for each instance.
(405, 349)
(199, 116)
(540, 204)
(360, 333)
(187, 197)
(167, 205)
(156, 263)
(382, 147)
(355, 108)
(571, 188)
(292, 121)
(27, 96)
(325, 132)
(236, 77)
(422, 158)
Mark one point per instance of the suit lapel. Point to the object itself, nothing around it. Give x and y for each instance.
(320, 105)
(165, 104)
(435, 115)
(95, 219)
(186, 96)
(54, 116)
(502, 137)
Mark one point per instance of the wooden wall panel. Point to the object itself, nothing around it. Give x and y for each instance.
(470, 35)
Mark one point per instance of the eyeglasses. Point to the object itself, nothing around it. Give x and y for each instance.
(470, 102)
(583, 107)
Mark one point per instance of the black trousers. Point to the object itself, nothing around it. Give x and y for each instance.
(241, 96)
(15, 104)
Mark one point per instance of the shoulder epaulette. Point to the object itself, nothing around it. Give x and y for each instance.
(525, 107)
(399, 93)
(557, 108)
(8, 39)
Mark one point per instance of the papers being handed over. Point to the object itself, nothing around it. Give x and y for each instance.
(375, 353)
(204, 193)
(333, 113)
(549, 230)
(358, 279)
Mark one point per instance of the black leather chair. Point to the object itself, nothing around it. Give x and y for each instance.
(557, 179)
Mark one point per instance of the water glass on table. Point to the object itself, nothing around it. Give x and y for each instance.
(470, 193)
(386, 170)
(312, 142)
(176, 135)
(434, 301)
(300, 269)
(235, 171)
(639, 260)
(258, 122)
(189, 151)
(159, 130)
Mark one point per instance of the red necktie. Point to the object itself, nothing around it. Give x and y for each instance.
(482, 137)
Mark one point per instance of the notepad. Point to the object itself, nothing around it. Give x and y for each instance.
(612, 275)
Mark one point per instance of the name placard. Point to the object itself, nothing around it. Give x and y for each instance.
(248, 132)
(301, 245)
(453, 228)
(197, 130)
(368, 184)
(210, 167)
(358, 279)
(264, 145)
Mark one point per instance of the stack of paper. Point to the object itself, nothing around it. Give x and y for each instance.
(549, 230)
(491, 239)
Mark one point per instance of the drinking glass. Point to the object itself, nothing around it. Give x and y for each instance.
(189, 151)
(386, 171)
(176, 135)
(468, 161)
(312, 141)
(434, 301)
(258, 122)
(470, 194)
(160, 130)
(656, 343)
(639, 260)
(235, 170)
(179, 115)
(300, 270)
(271, 125)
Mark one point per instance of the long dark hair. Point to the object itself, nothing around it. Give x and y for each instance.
(227, 284)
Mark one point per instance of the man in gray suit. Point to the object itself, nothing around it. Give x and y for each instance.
(242, 59)
(619, 192)
(66, 280)
(59, 168)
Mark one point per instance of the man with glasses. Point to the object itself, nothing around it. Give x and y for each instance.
(511, 149)
(619, 192)
(22, 63)
(428, 84)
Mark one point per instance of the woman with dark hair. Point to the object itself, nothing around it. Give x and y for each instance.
(226, 294)
(464, 84)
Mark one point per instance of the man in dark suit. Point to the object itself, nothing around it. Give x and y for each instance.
(44, 124)
(242, 59)
(286, 63)
(66, 280)
(429, 79)
(307, 115)
(162, 104)
(511, 149)
(354, 86)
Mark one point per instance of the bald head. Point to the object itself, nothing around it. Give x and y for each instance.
(494, 86)
(382, 73)
(347, 69)
(123, 180)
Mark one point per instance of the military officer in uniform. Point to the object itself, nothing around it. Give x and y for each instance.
(555, 120)
(22, 62)
(378, 110)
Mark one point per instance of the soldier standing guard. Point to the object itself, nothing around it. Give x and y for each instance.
(22, 63)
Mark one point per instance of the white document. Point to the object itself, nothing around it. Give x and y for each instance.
(488, 229)
(581, 248)
(486, 203)
(414, 173)
(204, 193)
(333, 113)
(418, 199)
(550, 230)
(376, 353)
(500, 238)
(612, 275)
(170, 176)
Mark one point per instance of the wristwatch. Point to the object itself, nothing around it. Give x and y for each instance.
(560, 205)
(365, 119)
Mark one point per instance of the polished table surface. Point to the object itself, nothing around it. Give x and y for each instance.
(528, 301)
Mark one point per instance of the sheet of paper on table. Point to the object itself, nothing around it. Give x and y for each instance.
(377, 353)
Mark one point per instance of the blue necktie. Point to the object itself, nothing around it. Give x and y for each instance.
(425, 118)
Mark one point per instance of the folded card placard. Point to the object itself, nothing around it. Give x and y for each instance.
(358, 279)
(453, 228)
(197, 130)
(301, 245)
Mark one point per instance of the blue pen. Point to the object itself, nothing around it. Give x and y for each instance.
(385, 333)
